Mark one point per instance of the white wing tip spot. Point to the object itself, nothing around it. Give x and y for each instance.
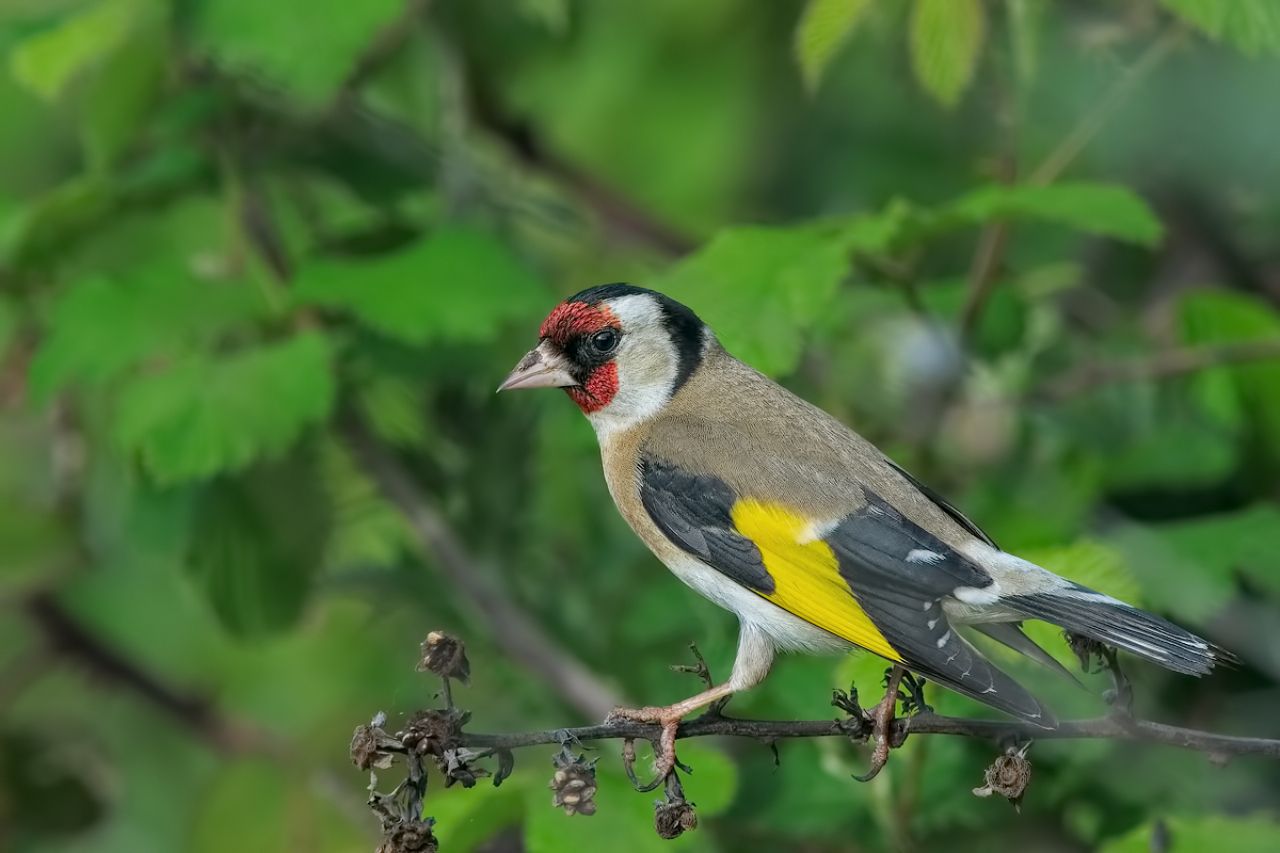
(989, 594)
(925, 556)
(942, 641)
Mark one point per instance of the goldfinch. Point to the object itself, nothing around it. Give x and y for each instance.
(816, 540)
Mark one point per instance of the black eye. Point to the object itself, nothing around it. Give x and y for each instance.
(605, 340)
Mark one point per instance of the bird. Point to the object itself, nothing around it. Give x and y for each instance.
(816, 540)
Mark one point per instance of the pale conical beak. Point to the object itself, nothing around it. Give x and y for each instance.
(540, 368)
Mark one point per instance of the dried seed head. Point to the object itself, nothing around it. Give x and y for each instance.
(370, 747)
(1007, 776)
(432, 732)
(445, 655)
(573, 784)
(673, 819)
(412, 836)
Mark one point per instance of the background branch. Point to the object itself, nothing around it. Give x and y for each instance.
(511, 629)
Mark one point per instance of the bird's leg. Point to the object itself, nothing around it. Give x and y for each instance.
(881, 717)
(1120, 696)
(668, 717)
(703, 672)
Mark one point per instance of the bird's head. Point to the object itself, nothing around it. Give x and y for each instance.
(620, 352)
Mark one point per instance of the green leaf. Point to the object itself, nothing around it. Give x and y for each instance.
(1216, 317)
(946, 41)
(824, 27)
(1252, 26)
(457, 285)
(203, 416)
(100, 327)
(256, 542)
(367, 531)
(119, 94)
(762, 289)
(308, 46)
(50, 61)
(1192, 834)
(1105, 209)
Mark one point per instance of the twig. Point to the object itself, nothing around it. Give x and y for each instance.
(1163, 365)
(510, 627)
(1083, 133)
(1110, 728)
(384, 46)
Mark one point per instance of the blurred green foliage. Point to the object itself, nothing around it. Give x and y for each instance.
(231, 230)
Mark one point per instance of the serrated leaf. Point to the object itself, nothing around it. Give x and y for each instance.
(824, 27)
(256, 542)
(1106, 209)
(205, 415)
(456, 285)
(1251, 26)
(762, 289)
(307, 46)
(100, 327)
(51, 60)
(946, 41)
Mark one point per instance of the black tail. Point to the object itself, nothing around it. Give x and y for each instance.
(1102, 618)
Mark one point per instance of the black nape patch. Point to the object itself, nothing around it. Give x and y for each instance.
(682, 324)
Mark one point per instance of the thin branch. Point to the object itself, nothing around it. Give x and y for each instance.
(66, 637)
(1093, 121)
(512, 630)
(1111, 728)
(1164, 365)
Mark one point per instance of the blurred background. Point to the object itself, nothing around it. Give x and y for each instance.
(262, 265)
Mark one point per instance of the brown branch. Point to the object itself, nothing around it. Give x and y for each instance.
(512, 630)
(66, 637)
(1164, 365)
(1109, 728)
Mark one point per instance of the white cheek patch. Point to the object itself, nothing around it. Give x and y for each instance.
(647, 363)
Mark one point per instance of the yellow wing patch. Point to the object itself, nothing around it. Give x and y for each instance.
(806, 576)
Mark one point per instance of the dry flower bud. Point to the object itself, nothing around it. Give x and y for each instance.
(574, 785)
(413, 836)
(673, 819)
(446, 656)
(1007, 776)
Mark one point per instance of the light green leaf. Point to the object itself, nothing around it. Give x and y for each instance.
(1105, 209)
(946, 41)
(50, 61)
(308, 46)
(119, 94)
(1252, 26)
(824, 27)
(100, 327)
(456, 285)
(1195, 833)
(1217, 317)
(256, 542)
(762, 289)
(204, 416)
